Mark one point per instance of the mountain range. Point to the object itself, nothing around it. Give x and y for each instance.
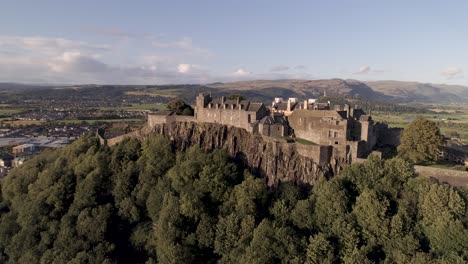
(386, 91)
(390, 91)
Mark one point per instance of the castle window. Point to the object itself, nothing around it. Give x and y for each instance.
(248, 118)
(336, 134)
(336, 142)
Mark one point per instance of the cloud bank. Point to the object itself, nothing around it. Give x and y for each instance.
(452, 72)
(58, 60)
(365, 69)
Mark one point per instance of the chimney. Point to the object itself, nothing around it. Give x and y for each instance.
(289, 106)
(305, 104)
(337, 107)
(223, 99)
(238, 99)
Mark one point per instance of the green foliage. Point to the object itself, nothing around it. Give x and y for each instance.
(420, 141)
(180, 107)
(141, 202)
(319, 250)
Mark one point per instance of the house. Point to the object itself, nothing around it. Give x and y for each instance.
(29, 148)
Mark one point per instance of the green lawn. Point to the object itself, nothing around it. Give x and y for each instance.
(157, 92)
(305, 141)
(449, 123)
(10, 111)
(444, 165)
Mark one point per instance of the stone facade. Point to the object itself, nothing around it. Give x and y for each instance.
(238, 113)
(273, 126)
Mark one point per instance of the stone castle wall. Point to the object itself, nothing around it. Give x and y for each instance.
(388, 136)
(316, 126)
(154, 119)
(231, 117)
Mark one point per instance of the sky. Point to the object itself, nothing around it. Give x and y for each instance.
(204, 41)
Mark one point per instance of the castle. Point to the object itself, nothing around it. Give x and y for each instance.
(350, 132)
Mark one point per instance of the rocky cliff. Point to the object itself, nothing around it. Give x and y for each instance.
(274, 159)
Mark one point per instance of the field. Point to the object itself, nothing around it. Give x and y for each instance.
(137, 107)
(449, 123)
(92, 121)
(23, 122)
(5, 110)
(157, 92)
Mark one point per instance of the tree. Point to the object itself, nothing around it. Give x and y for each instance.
(319, 250)
(180, 107)
(420, 141)
(235, 97)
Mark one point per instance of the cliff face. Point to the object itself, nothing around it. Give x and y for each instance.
(272, 159)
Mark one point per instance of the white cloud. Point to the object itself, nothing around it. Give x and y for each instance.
(241, 72)
(452, 72)
(300, 67)
(363, 69)
(75, 62)
(58, 60)
(184, 68)
(184, 44)
(279, 68)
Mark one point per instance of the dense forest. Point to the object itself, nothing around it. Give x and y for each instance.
(146, 203)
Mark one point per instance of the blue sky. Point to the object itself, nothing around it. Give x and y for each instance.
(156, 42)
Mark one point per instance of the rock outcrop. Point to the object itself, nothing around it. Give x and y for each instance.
(271, 158)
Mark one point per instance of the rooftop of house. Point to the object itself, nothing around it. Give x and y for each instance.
(23, 146)
(245, 105)
(273, 120)
(320, 113)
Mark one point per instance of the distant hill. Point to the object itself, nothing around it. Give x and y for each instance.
(305, 88)
(5, 86)
(390, 91)
(421, 92)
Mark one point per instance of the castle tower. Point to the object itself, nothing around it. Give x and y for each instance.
(202, 100)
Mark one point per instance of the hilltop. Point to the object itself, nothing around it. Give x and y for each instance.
(394, 91)
(421, 92)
